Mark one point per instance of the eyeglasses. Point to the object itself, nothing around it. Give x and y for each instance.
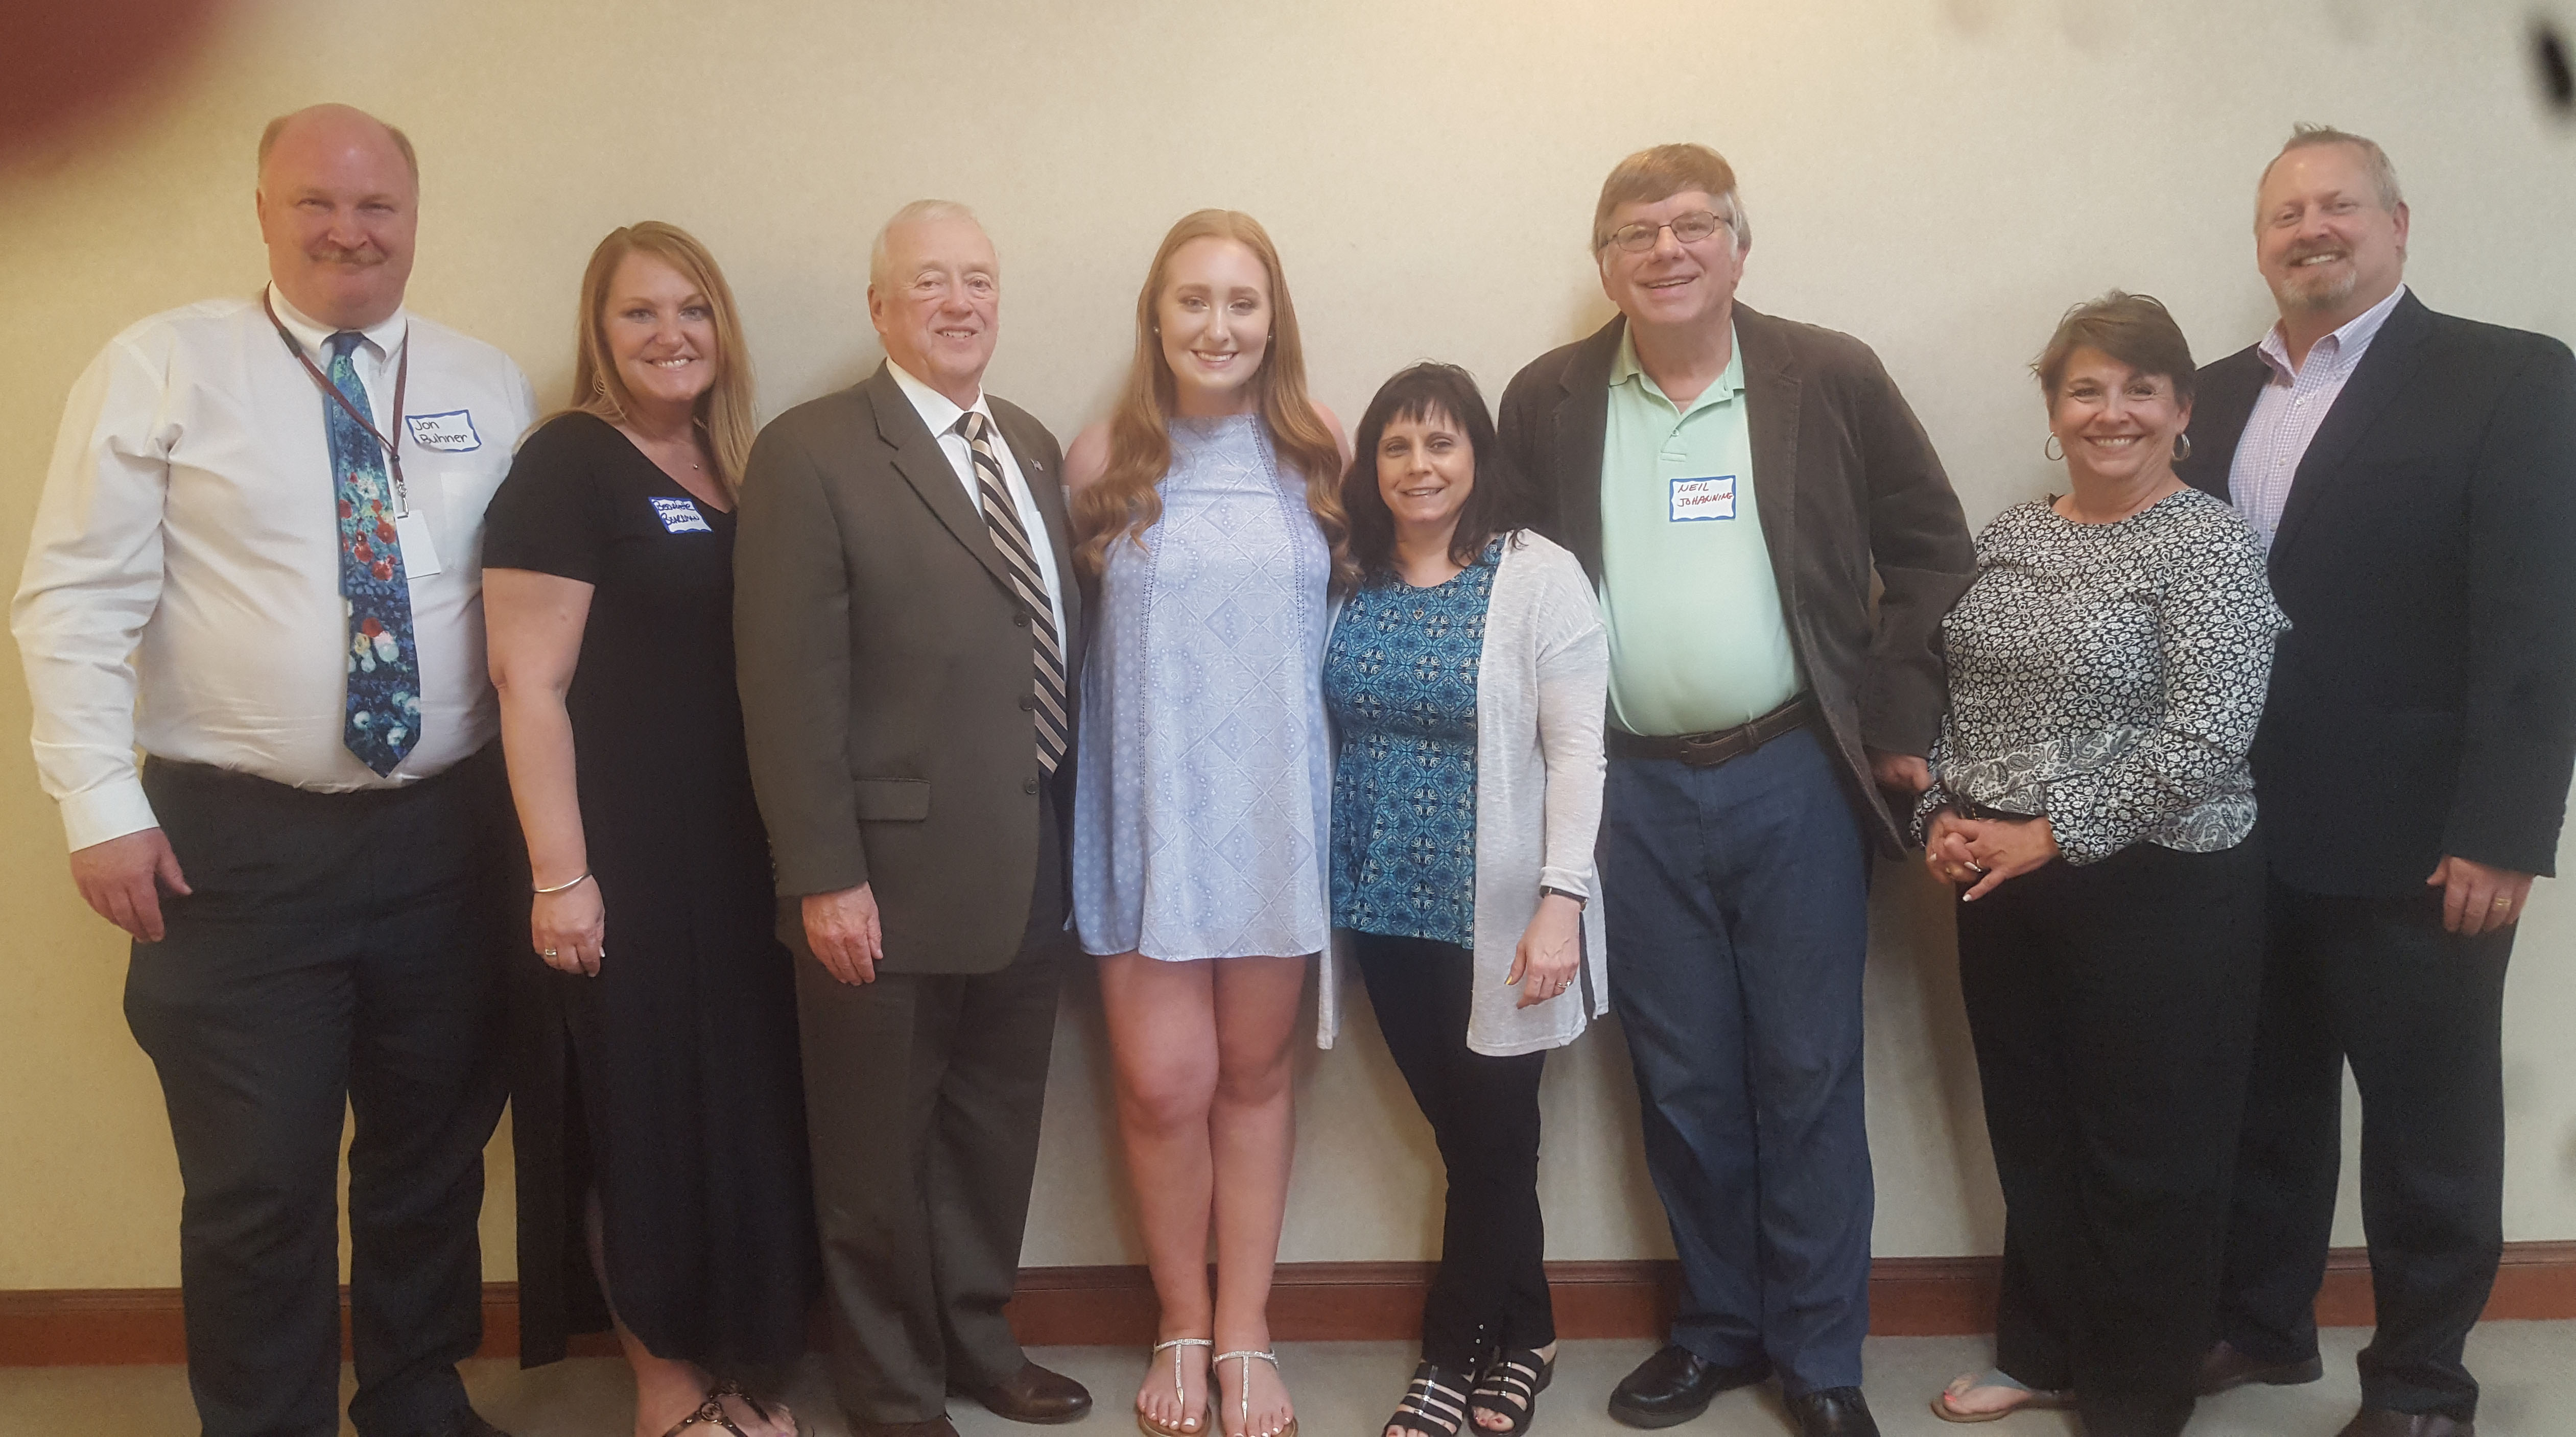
(1688, 228)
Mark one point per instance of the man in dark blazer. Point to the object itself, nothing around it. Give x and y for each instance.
(1732, 483)
(2414, 478)
(907, 628)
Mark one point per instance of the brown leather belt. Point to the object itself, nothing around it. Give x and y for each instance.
(1708, 750)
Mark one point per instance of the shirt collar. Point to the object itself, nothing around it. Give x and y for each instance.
(937, 410)
(2337, 349)
(384, 337)
(1730, 383)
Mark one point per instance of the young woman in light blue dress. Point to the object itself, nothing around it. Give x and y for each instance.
(1206, 508)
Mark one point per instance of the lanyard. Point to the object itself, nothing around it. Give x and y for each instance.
(321, 381)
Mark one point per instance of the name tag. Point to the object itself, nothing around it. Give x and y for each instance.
(449, 433)
(681, 517)
(419, 550)
(1708, 498)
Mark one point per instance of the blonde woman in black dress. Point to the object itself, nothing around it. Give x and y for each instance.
(659, 1111)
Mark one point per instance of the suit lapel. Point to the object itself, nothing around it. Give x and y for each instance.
(1582, 420)
(2219, 415)
(919, 459)
(2383, 374)
(1772, 391)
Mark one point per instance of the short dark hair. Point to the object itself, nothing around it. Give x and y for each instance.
(1497, 505)
(2134, 329)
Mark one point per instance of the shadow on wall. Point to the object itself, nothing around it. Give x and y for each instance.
(1918, 1026)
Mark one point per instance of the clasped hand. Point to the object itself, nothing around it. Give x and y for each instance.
(1985, 851)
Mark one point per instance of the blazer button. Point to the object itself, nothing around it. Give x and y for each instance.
(1028, 703)
(1028, 785)
(1020, 620)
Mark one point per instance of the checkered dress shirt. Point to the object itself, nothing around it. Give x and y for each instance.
(2289, 409)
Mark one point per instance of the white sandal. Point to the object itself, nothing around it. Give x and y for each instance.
(1243, 1381)
(1180, 1391)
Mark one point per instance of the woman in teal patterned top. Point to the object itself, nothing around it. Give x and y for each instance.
(1400, 681)
(1466, 677)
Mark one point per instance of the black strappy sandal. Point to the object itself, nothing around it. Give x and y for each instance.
(710, 1414)
(1509, 1387)
(1435, 1403)
(766, 1411)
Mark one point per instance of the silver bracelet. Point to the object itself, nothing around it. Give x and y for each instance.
(560, 887)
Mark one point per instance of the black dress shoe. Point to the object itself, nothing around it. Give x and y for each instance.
(1833, 1412)
(2223, 1367)
(1675, 1385)
(1033, 1394)
(2389, 1422)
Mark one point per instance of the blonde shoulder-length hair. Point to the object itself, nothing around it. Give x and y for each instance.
(1122, 502)
(725, 410)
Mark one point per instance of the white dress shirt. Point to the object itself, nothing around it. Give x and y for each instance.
(941, 414)
(182, 584)
(2294, 400)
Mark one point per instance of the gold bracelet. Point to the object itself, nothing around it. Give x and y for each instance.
(560, 887)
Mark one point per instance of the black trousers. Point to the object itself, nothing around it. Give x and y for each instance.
(923, 1093)
(340, 954)
(1491, 1289)
(2419, 1013)
(2113, 1011)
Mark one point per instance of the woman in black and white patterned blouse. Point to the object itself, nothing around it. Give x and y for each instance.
(2090, 793)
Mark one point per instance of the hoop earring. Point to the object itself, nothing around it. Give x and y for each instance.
(2182, 448)
(2049, 443)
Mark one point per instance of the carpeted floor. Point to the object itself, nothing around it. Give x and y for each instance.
(1345, 1390)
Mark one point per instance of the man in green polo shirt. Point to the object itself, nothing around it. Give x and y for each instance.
(1697, 642)
(1734, 483)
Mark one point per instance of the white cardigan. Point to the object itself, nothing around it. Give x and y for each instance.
(1541, 691)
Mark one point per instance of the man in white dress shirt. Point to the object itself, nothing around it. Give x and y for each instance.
(257, 560)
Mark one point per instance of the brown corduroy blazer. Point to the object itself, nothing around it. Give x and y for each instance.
(1849, 488)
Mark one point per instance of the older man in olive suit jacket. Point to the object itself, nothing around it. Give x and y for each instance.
(906, 626)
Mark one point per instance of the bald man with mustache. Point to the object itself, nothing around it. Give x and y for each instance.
(257, 561)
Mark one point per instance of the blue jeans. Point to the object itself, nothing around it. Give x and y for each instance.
(1736, 899)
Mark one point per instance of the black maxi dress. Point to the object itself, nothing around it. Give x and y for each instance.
(670, 1081)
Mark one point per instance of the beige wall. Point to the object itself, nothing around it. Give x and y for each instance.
(1941, 177)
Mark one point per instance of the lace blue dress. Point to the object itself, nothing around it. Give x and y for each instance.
(1400, 683)
(1203, 793)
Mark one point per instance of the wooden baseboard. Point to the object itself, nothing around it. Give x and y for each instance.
(1309, 1302)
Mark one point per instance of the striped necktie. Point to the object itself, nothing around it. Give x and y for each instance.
(1002, 522)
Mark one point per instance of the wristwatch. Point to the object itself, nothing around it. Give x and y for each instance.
(1545, 889)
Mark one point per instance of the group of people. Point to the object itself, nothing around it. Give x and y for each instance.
(2242, 754)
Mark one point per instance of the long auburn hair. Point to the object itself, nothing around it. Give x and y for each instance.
(725, 411)
(1122, 502)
